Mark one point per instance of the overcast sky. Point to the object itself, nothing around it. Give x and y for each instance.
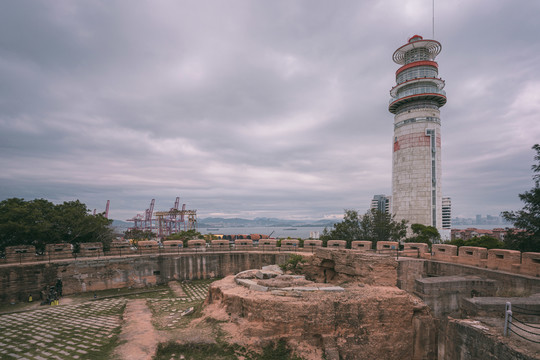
(257, 108)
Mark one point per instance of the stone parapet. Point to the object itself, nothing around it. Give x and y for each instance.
(311, 245)
(20, 253)
(472, 255)
(119, 248)
(443, 252)
(530, 264)
(91, 249)
(220, 245)
(268, 244)
(172, 246)
(499, 259)
(361, 245)
(196, 244)
(148, 247)
(244, 244)
(444, 294)
(387, 246)
(290, 245)
(58, 251)
(415, 249)
(336, 244)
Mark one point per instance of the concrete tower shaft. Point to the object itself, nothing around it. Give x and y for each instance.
(415, 102)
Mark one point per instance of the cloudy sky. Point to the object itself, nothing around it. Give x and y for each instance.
(257, 108)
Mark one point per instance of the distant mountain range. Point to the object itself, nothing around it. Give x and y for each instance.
(239, 222)
(215, 222)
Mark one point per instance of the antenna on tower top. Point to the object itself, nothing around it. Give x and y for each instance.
(433, 20)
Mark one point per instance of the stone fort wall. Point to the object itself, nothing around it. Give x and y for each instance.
(18, 281)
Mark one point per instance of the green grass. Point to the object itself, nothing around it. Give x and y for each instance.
(223, 351)
(166, 310)
(172, 350)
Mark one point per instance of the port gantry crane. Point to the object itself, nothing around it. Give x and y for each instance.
(166, 222)
(106, 213)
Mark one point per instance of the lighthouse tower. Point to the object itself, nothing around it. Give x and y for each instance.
(416, 161)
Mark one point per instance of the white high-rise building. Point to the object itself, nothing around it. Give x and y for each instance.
(415, 102)
(446, 213)
(381, 203)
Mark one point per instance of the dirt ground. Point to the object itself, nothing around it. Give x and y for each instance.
(138, 339)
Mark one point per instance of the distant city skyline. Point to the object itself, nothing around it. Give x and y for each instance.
(261, 109)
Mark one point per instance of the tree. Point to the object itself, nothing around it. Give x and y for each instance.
(485, 241)
(185, 236)
(527, 220)
(39, 222)
(373, 226)
(137, 234)
(424, 234)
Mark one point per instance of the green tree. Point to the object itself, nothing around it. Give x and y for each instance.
(527, 220)
(373, 226)
(485, 241)
(185, 236)
(137, 234)
(39, 222)
(424, 234)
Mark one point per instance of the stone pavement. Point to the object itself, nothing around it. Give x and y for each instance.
(86, 330)
(61, 332)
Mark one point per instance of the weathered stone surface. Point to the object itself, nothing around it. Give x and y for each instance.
(471, 340)
(274, 268)
(19, 281)
(366, 323)
(337, 266)
(444, 294)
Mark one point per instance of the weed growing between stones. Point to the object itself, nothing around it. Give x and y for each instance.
(167, 309)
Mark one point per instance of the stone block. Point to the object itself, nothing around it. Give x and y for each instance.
(290, 245)
(443, 252)
(59, 251)
(20, 253)
(414, 249)
(197, 244)
(311, 245)
(91, 249)
(361, 245)
(274, 268)
(267, 244)
(530, 264)
(471, 255)
(264, 274)
(220, 245)
(500, 259)
(444, 294)
(332, 289)
(172, 246)
(387, 246)
(148, 247)
(119, 248)
(243, 244)
(336, 244)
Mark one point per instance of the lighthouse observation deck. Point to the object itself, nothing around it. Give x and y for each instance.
(417, 80)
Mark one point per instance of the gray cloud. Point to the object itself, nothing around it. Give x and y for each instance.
(256, 109)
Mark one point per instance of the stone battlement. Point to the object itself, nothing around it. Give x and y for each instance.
(513, 261)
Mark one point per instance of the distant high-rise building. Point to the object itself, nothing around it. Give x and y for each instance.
(446, 213)
(416, 162)
(381, 203)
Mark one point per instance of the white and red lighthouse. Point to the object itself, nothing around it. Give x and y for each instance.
(415, 102)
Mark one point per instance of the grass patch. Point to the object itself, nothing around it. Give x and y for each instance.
(278, 351)
(172, 350)
(223, 351)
